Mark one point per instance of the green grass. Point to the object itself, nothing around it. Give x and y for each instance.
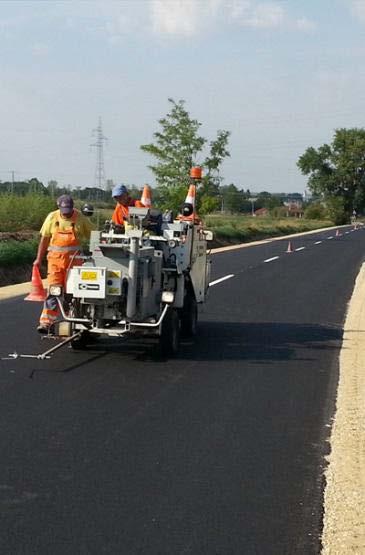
(241, 229)
(24, 213)
(17, 253)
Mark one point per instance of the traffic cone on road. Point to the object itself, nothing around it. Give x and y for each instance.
(146, 198)
(37, 291)
(290, 248)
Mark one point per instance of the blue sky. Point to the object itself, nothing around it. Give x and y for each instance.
(280, 75)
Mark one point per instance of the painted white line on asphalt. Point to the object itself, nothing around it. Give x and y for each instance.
(318, 242)
(215, 282)
(300, 249)
(347, 232)
(271, 259)
(330, 237)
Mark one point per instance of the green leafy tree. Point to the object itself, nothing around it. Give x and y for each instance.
(337, 172)
(178, 147)
(234, 200)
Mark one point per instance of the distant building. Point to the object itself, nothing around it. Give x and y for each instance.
(260, 212)
(294, 209)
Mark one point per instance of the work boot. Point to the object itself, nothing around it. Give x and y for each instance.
(45, 329)
(42, 329)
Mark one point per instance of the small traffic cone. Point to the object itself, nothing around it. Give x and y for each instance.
(37, 291)
(146, 198)
(190, 197)
(290, 248)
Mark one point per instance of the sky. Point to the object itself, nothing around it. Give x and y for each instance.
(279, 75)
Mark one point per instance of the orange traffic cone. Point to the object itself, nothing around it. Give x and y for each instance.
(290, 248)
(190, 197)
(37, 291)
(146, 199)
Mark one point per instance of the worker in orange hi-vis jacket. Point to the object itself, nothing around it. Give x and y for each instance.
(124, 201)
(62, 235)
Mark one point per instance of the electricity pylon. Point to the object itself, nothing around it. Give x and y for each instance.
(99, 145)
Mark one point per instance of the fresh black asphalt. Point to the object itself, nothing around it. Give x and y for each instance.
(218, 451)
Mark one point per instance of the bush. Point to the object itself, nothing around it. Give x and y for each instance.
(315, 211)
(16, 253)
(24, 213)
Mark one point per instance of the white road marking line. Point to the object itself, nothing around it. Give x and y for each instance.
(347, 232)
(318, 242)
(300, 249)
(271, 259)
(220, 280)
(330, 237)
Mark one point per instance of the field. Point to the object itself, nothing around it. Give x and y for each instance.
(243, 229)
(22, 217)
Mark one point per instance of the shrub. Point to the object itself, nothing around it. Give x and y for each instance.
(315, 211)
(16, 253)
(24, 213)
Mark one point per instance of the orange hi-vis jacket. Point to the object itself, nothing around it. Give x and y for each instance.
(121, 212)
(62, 251)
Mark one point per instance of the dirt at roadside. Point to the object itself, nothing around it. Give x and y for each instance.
(16, 274)
(344, 499)
(17, 235)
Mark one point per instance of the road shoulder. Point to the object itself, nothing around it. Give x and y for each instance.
(344, 499)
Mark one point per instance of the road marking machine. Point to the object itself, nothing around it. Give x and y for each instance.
(144, 280)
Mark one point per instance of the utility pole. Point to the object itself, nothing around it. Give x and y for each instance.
(99, 145)
(12, 182)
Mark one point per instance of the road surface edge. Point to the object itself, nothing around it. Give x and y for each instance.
(344, 497)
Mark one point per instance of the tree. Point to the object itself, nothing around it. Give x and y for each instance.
(337, 172)
(179, 147)
(234, 200)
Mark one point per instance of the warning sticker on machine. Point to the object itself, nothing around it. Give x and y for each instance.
(89, 276)
(114, 273)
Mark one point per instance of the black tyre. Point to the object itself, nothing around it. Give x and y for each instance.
(189, 317)
(170, 334)
(81, 342)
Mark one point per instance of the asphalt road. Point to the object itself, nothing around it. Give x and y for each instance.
(219, 451)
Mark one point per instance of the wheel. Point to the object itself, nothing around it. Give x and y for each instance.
(170, 333)
(81, 342)
(189, 317)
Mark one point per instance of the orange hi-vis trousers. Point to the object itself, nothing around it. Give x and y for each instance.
(62, 255)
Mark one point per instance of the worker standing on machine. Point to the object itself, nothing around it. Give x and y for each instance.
(124, 201)
(62, 235)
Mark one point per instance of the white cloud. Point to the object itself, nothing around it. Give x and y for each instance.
(40, 49)
(190, 17)
(175, 17)
(358, 9)
(305, 24)
(265, 16)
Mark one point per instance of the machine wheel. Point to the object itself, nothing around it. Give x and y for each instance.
(170, 334)
(189, 317)
(81, 343)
